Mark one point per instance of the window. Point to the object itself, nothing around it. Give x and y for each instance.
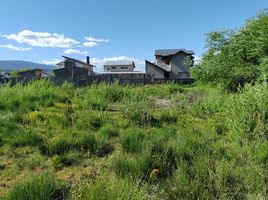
(183, 74)
(123, 67)
(113, 67)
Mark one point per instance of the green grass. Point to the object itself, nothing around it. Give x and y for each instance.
(133, 142)
(42, 187)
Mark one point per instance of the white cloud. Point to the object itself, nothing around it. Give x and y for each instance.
(197, 60)
(75, 51)
(92, 39)
(15, 48)
(90, 44)
(54, 61)
(42, 39)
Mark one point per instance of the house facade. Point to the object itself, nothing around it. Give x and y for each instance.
(31, 73)
(74, 71)
(170, 63)
(119, 66)
(77, 63)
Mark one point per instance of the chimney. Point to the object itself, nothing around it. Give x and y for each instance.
(88, 60)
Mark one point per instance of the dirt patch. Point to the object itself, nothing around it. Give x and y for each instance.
(162, 102)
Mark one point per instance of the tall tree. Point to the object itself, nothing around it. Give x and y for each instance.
(234, 58)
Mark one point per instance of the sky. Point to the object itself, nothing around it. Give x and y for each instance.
(43, 31)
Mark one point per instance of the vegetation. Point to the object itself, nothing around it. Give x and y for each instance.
(147, 142)
(143, 142)
(234, 58)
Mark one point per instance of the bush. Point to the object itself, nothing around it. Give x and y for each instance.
(41, 187)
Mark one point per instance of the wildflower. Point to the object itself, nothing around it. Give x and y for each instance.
(154, 172)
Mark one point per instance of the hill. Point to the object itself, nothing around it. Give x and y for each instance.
(10, 65)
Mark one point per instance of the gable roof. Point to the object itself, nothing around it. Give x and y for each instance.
(160, 66)
(120, 62)
(171, 52)
(79, 61)
(30, 70)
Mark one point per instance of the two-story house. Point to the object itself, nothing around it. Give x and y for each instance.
(73, 71)
(119, 66)
(170, 63)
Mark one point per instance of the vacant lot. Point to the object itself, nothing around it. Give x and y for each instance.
(123, 142)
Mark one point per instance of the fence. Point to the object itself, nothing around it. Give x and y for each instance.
(145, 80)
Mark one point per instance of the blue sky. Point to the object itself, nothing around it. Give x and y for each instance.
(42, 31)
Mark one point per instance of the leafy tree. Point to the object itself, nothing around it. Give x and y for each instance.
(234, 58)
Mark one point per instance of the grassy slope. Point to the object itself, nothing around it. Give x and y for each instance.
(151, 142)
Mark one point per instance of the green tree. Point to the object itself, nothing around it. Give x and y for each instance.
(234, 58)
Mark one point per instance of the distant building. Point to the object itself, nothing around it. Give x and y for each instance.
(77, 63)
(73, 71)
(5, 75)
(119, 66)
(170, 63)
(31, 74)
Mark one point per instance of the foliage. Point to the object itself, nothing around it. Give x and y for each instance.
(235, 58)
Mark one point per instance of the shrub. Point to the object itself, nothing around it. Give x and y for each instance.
(41, 187)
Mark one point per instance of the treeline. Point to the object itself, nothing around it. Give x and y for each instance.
(234, 58)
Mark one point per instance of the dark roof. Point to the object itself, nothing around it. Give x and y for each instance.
(79, 61)
(163, 67)
(171, 52)
(29, 70)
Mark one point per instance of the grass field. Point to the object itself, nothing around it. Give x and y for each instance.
(133, 142)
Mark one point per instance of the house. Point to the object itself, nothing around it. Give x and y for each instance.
(119, 66)
(4, 77)
(170, 63)
(122, 77)
(31, 74)
(77, 63)
(73, 71)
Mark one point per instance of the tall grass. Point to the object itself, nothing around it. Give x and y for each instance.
(119, 142)
(42, 187)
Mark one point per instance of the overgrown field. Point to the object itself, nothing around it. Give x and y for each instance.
(125, 142)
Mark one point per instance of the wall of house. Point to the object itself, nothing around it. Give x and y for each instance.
(118, 68)
(153, 71)
(178, 68)
(74, 75)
